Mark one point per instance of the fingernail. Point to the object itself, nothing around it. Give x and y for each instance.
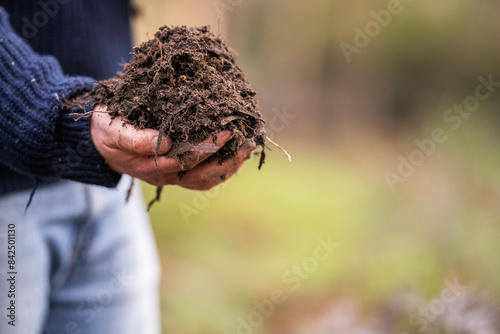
(226, 135)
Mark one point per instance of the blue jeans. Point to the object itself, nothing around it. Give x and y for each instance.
(85, 262)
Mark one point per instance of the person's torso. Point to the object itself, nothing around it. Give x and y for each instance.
(88, 37)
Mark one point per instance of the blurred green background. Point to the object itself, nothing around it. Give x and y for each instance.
(346, 124)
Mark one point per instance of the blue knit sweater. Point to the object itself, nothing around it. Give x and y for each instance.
(40, 140)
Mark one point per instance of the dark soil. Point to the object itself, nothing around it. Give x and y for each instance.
(185, 83)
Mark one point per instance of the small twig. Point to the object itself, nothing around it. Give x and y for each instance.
(234, 51)
(81, 115)
(100, 111)
(156, 199)
(129, 191)
(161, 59)
(218, 22)
(160, 137)
(281, 148)
(161, 49)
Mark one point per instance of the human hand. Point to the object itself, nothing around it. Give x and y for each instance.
(131, 151)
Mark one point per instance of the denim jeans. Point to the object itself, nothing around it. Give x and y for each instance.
(85, 262)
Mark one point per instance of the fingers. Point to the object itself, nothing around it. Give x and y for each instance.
(211, 173)
(131, 151)
(190, 160)
(147, 167)
(126, 138)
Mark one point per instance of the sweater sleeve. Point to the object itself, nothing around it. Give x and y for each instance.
(38, 137)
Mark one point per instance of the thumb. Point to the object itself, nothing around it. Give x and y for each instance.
(142, 142)
(118, 134)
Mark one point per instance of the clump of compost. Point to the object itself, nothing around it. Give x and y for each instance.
(186, 84)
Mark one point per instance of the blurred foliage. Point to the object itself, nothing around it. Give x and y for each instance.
(352, 123)
(429, 52)
(441, 224)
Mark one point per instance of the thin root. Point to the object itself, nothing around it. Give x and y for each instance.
(129, 191)
(281, 148)
(156, 199)
(81, 115)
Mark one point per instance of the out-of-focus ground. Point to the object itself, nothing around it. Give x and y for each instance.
(414, 247)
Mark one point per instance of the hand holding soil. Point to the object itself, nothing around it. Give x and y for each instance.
(183, 85)
(131, 151)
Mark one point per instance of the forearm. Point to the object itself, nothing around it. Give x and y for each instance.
(38, 137)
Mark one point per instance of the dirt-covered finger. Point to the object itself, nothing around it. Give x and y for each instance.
(192, 159)
(117, 134)
(142, 142)
(209, 174)
(246, 150)
(213, 171)
(202, 175)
